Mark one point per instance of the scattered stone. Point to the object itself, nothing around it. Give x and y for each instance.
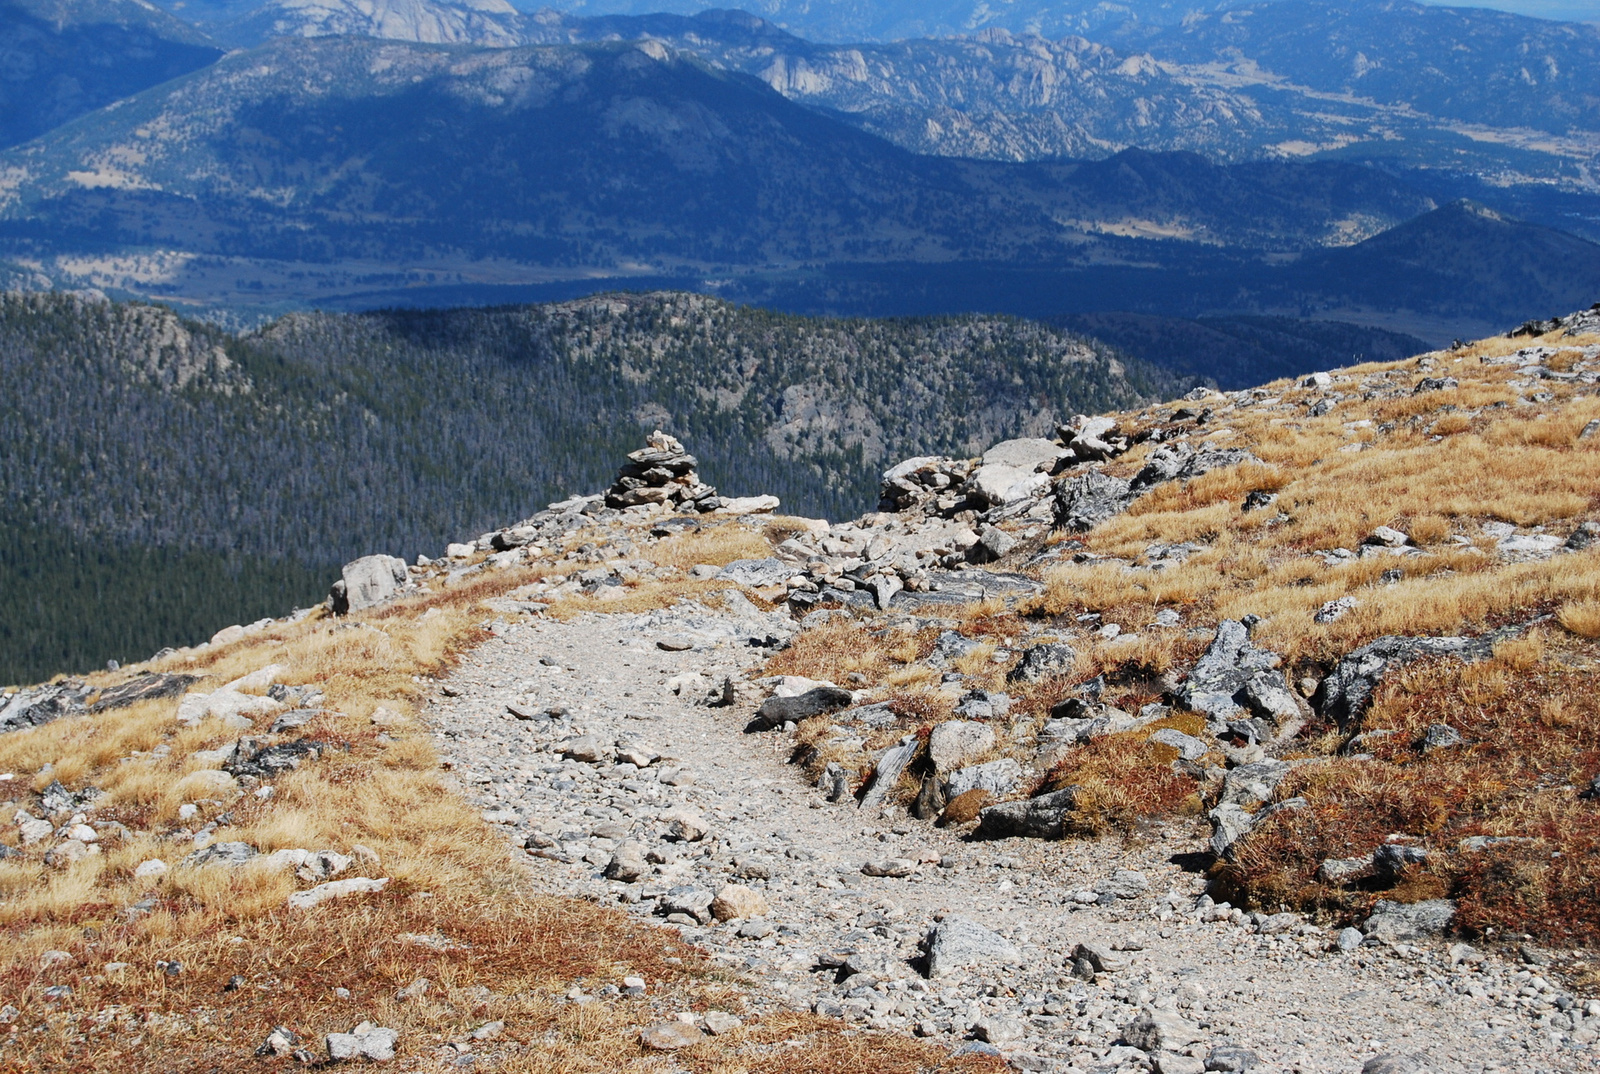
(1394, 922)
(367, 582)
(737, 902)
(1161, 1031)
(336, 889)
(777, 711)
(999, 778)
(365, 1041)
(955, 743)
(1035, 818)
(670, 1036)
(956, 944)
(1042, 661)
(718, 1023)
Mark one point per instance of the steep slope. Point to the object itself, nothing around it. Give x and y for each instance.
(993, 95)
(1465, 63)
(62, 58)
(1461, 258)
(184, 450)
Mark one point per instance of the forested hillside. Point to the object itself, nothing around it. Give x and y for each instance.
(131, 437)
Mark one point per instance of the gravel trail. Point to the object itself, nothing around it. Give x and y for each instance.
(1278, 991)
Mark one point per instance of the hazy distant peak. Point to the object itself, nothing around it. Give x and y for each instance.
(435, 22)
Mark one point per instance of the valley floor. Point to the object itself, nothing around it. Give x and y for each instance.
(1291, 997)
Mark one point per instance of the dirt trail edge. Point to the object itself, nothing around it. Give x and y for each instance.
(591, 742)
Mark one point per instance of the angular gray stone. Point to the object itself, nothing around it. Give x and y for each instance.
(1086, 500)
(999, 778)
(956, 944)
(958, 742)
(366, 582)
(1161, 1031)
(221, 854)
(1393, 921)
(1014, 470)
(758, 573)
(686, 899)
(1041, 661)
(1236, 678)
(1189, 748)
(1033, 818)
(777, 711)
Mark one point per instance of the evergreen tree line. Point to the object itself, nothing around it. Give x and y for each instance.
(137, 445)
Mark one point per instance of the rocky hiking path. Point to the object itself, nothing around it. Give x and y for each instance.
(592, 743)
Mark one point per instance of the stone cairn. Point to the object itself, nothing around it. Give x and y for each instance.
(662, 473)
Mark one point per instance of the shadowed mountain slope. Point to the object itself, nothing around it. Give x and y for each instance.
(62, 58)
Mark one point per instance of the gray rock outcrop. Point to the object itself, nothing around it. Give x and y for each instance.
(367, 582)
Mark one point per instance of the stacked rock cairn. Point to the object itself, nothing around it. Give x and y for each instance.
(662, 473)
